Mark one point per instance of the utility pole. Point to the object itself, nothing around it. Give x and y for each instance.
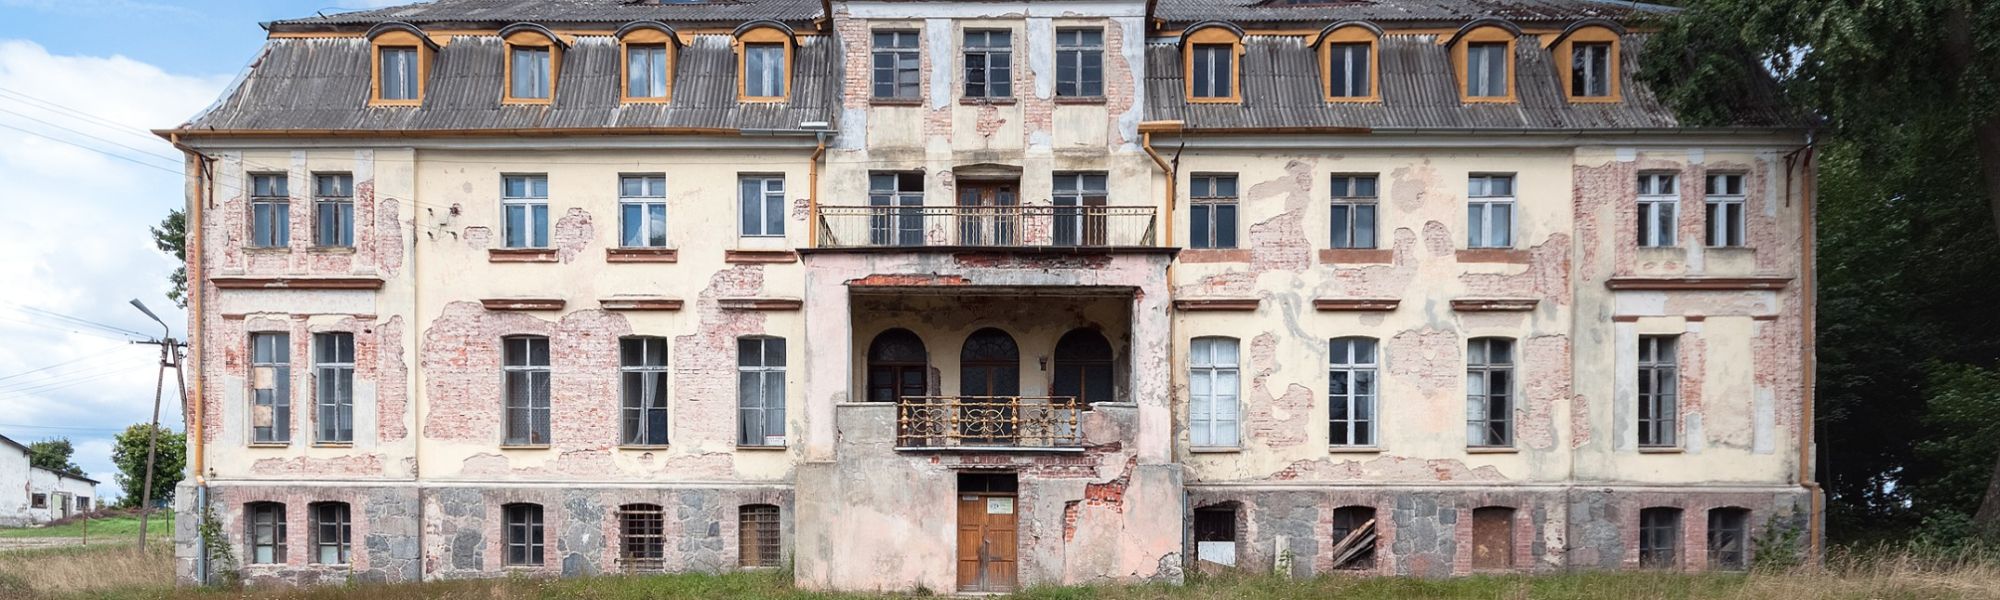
(170, 356)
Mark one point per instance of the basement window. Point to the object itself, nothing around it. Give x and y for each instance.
(642, 537)
(1729, 538)
(1659, 537)
(1354, 537)
(1492, 538)
(331, 533)
(757, 536)
(1215, 534)
(523, 523)
(266, 532)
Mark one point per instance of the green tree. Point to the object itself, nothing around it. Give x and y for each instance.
(128, 451)
(55, 455)
(171, 237)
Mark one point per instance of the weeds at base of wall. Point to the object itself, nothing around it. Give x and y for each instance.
(1779, 547)
(223, 570)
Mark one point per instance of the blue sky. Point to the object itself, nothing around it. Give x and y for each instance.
(81, 83)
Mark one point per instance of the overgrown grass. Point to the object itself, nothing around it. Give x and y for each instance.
(98, 524)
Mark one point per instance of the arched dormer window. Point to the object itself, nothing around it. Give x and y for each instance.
(400, 56)
(649, 49)
(1587, 59)
(764, 61)
(1350, 59)
(1482, 58)
(534, 61)
(1212, 61)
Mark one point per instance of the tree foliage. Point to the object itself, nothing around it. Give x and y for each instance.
(128, 451)
(55, 455)
(170, 236)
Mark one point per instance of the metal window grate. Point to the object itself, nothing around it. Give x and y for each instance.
(758, 536)
(642, 539)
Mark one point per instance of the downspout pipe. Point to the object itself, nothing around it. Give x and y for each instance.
(197, 341)
(812, 191)
(1809, 359)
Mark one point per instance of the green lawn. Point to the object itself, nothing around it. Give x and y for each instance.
(119, 525)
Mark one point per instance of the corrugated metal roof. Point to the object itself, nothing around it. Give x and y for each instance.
(607, 12)
(324, 83)
(1282, 89)
(1451, 12)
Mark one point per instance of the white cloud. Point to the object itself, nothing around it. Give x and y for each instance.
(75, 240)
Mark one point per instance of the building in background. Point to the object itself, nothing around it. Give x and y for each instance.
(31, 495)
(975, 296)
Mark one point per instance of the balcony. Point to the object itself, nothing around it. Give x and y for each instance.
(985, 227)
(989, 423)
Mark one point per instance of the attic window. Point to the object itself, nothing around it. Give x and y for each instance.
(400, 56)
(1212, 55)
(763, 65)
(534, 63)
(1349, 62)
(1482, 55)
(1586, 55)
(1486, 70)
(649, 53)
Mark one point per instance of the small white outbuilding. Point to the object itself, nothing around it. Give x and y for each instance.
(30, 495)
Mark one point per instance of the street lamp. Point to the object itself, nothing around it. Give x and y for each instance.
(167, 354)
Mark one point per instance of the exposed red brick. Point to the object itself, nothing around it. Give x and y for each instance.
(907, 279)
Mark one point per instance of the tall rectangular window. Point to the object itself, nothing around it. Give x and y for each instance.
(266, 533)
(526, 368)
(1659, 537)
(1590, 69)
(1080, 198)
(762, 199)
(757, 542)
(646, 70)
(271, 388)
(1486, 69)
(1212, 214)
(270, 211)
(895, 64)
(1351, 392)
(1347, 71)
(1489, 393)
(898, 201)
(1354, 209)
(333, 371)
(1659, 209)
(398, 73)
(642, 533)
(989, 63)
(1489, 216)
(1725, 210)
(760, 391)
(528, 72)
(1213, 71)
(764, 70)
(523, 523)
(1659, 378)
(642, 211)
(333, 210)
(1212, 392)
(642, 365)
(1729, 538)
(1080, 63)
(331, 533)
(525, 200)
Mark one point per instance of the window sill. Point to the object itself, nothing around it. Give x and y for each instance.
(895, 101)
(1215, 450)
(1354, 449)
(759, 256)
(333, 444)
(1493, 450)
(642, 447)
(270, 445)
(978, 101)
(1731, 249)
(1510, 256)
(1081, 100)
(267, 249)
(642, 255)
(331, 249)
(521, 255)
(1663, 450)
(762, 448)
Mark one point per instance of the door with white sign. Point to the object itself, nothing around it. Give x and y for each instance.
(987, 537)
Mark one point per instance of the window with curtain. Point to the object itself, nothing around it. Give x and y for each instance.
(1590, 69)
(1354, 211)
(1214, 71)
(398, 73)
(642, 366)
(760, 391)
(529, 72)
(1659, 380)
(1347, 70)
(333, 372)
(1486, 69)
(527, 373)
(1212, 392)
(764, 70)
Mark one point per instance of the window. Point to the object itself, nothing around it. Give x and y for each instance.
(266, 532)
(523, 523)
(1659, 209)
(1354, 537)
(1489, 392)
(646, 71)
(989, 64)
(763, 200)
(333, 210)
(331, 536)
(757, 544)
(1729, 538)
(1351, 391)
(898, 216)
(1492, 538)
(1348, 70)
(764, 70)
(1212, 390)
(398, 73)
(642, 365)
(271, 388)
(896, 64)
(528, 72)
(1079, 204)
(38, 500)
(1215, 534)
(1080, 62)
(1354, 206)
(270, 211)
(1490, 214)
(525, 200)
(1659, 537)
(760, 393)
(1212, 72)
(1725, 210)
(333, 371)
(642, 209)
(1486, 69)
(642, 540)
(1658, 379)
(1212, 218)
(83, 503)
(1590, 69)
(527, 401)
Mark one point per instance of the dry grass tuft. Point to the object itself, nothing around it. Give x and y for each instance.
(81, 569)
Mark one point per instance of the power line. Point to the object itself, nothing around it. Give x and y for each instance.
(60, 364)
(76, 330)
(94, 119)
(79, 320)
(97, 150)
(91, 136)
(57, 371)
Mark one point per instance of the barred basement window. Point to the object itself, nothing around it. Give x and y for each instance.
(1212, 218)
(527, 395)
(1659, 537)
(1354, 207)
(642, 208)
(896, 63)
(1351, 391)
(525, 201)
(333, 371)
(1212, 389)
(1080, 62)
(1490, 212)
(757, 536)
(523, 523)
(1489, 392)
(642, 540)
(1215, 533)
(333, 210)
(270, 211)
(1659, 408)
(760, 380)
(1729, 538)
(989, 64)
(1725, 210)
(1659, 209)
(266, 532)
(271, 388)
(331, 533)
(643, 373)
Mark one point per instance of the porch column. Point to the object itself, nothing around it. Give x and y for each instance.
(829, 333)
(1152, 370)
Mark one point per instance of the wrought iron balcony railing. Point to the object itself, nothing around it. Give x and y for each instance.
(1001, 422)
(985, 226)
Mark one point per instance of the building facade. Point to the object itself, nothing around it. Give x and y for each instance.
(970, 296)
(34, 495)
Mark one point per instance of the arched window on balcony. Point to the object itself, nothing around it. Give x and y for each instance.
(1083, 367)
(989, 376)
(898, 366)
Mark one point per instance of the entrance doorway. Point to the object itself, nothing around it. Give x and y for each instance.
(987, 539)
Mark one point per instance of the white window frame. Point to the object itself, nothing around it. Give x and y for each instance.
(1479, 80)
(534, 209)
(1726, 217)
(770, 197)
(770, 398)
(276, 229)
(772, 76)
(651, 199)
(653, 393)
(1214, 392)
(1481, 207)
(333, 396)
(1479, 402)
(1354, 365)
(1658, 387)
(1659, 209)
(646, 73)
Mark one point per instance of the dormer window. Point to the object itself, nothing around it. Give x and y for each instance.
(1482, 55)
(1587, 55)
(1349, 62)
(398, 72)
(534, 58)
(764, 60)
(401, 61)
(1486, 70)
(1590, 70)
(1211, 51)
(648, 61)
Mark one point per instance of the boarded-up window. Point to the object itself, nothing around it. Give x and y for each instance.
(1659, 537)
(1215, 535)
(270, 388)
(1728, 538)
(641, 537)
(1354, 537)
(757, 536)
(1493, 538)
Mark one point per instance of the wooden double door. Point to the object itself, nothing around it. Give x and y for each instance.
(989, 214)
(988, 538)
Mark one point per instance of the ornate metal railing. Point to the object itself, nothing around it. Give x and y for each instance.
(924, 422)
(989, 226)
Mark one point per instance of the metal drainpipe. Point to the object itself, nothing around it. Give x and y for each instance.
(197, 431)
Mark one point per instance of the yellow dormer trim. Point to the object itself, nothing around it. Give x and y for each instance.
(762, 34)
(646, 36)
(1213, 34)
(398, 36)
(1351, 33)
(1488, 33)
(1564, 45)
(530, 37)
